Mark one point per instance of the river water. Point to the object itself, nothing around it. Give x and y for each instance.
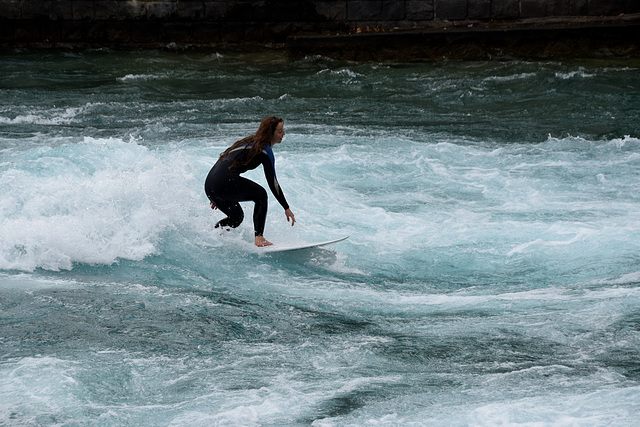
(491, 276)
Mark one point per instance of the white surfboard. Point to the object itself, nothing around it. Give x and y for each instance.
(296, 247)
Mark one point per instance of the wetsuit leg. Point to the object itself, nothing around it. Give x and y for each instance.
(232, 210)
(236, 189)
(260, 210)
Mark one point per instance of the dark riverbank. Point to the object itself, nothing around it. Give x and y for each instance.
(402, 30)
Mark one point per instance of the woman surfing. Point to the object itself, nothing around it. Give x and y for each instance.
(225, 188)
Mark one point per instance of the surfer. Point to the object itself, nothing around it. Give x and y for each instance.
(225, 187)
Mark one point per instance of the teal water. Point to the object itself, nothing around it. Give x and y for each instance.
(491, 277)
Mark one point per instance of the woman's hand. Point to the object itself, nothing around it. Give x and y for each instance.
(214, 207)
(290, 216)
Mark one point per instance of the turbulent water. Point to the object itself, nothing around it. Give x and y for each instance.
(491, 276)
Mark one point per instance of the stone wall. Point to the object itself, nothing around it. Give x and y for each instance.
(142, 23)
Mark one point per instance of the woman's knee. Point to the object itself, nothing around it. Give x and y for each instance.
(233, 211)
(236, 219)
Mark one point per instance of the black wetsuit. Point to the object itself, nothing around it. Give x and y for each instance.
(225, 187)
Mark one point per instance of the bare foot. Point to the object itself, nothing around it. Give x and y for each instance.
(261, 241)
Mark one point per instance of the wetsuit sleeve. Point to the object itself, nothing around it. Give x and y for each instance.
(270, 175)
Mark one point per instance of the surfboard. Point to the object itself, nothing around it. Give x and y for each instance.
(297, 247)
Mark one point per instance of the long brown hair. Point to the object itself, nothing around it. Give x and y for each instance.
(259, 141)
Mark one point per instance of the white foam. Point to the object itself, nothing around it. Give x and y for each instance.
(581, 72)
(512, 77)
(51, 117)
(133, 77)
(342, 72)
(35, 388)
(95, 202)
(541, 243)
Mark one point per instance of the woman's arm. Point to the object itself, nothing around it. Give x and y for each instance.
(274, 186)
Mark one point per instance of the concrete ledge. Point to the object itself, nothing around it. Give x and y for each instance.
(548, 38)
